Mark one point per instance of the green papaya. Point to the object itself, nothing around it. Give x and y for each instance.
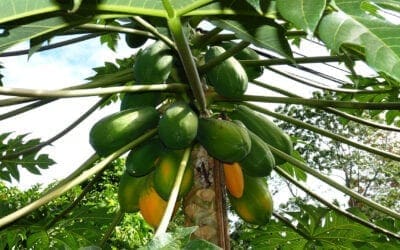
(228, 78)
(137, 100)
(166, 172)
(255, 206)
(252, 72)
(129, 192)
(260, 160)
(143, 159)
(116, 130)
(134, 40)
(153, 64)
(178, 126)
(268, 131)
(223, 140)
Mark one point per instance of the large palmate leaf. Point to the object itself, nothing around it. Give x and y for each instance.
(260, 32)
(38, 29)
(315, 227)
(351, 25)
(304, 14)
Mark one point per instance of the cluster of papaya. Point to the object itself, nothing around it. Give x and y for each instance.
(240, 140)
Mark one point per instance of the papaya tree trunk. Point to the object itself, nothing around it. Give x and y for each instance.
(205, 204)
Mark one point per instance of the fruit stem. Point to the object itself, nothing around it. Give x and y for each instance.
(349, 215)
(64, 186)
(119, 215)
(188, 63)
(325, 133)
(333, 183)
(216, 60)
(174, 195)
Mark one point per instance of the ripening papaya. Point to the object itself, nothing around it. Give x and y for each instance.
(228, 78)
(143, 159)
(153, 64)
(151, 205)
(177, 127)
(166, 171)
(129, 191)
(260, 161)
(223, 140)
(268, 131)
(234, 181)
(256, 204)
(252, 72)
(116, 130)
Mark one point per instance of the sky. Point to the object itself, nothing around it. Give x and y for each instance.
(56, 69)
(63, 67)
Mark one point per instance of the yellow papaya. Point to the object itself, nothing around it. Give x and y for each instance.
(234, 179)
(256, 204)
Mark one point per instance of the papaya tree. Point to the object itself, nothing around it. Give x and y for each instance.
(194, 138)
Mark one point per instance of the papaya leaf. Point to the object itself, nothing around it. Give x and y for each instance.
(353, 25)
(39, 31)
(304, 14)
(314, 227)
(38, 240)
(110, 39)
(171, 240)
(109, 68)
(261, 32)
(255, 4)
(276, 235)
(33, 162)
(200, 244)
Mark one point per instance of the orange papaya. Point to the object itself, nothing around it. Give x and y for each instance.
(256, 204)
(152, 207)
(234, 182)
(129, 191)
